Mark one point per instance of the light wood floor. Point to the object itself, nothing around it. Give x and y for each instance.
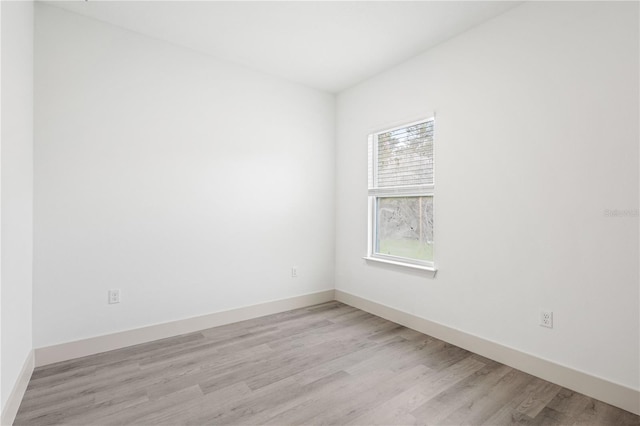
(327, 364)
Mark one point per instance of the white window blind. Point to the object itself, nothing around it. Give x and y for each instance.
(401, 160)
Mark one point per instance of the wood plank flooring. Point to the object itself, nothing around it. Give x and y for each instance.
(329, 364)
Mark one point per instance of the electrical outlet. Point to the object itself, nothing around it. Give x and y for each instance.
(546, 318)
(114, 296)
(294, 271)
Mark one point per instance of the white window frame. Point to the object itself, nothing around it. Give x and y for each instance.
(409, 191)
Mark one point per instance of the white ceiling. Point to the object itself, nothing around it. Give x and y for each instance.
(326, 45)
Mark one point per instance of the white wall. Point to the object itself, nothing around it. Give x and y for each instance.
(16, 190)
(1, 393)
(536, 135)
(190, 184)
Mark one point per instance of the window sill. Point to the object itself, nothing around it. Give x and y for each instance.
(431, 269)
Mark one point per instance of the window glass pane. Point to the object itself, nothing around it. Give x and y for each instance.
(405, 156)
(405, 227)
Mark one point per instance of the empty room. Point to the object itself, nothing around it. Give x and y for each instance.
(320, 212)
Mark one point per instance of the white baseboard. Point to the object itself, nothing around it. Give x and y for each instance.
(15, 397)
(595, 387)
(70, 350)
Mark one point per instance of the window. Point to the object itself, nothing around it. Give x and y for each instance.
(401, 189)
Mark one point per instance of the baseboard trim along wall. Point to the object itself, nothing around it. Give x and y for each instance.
(595, 387)
(17, 393)
(76, 349)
